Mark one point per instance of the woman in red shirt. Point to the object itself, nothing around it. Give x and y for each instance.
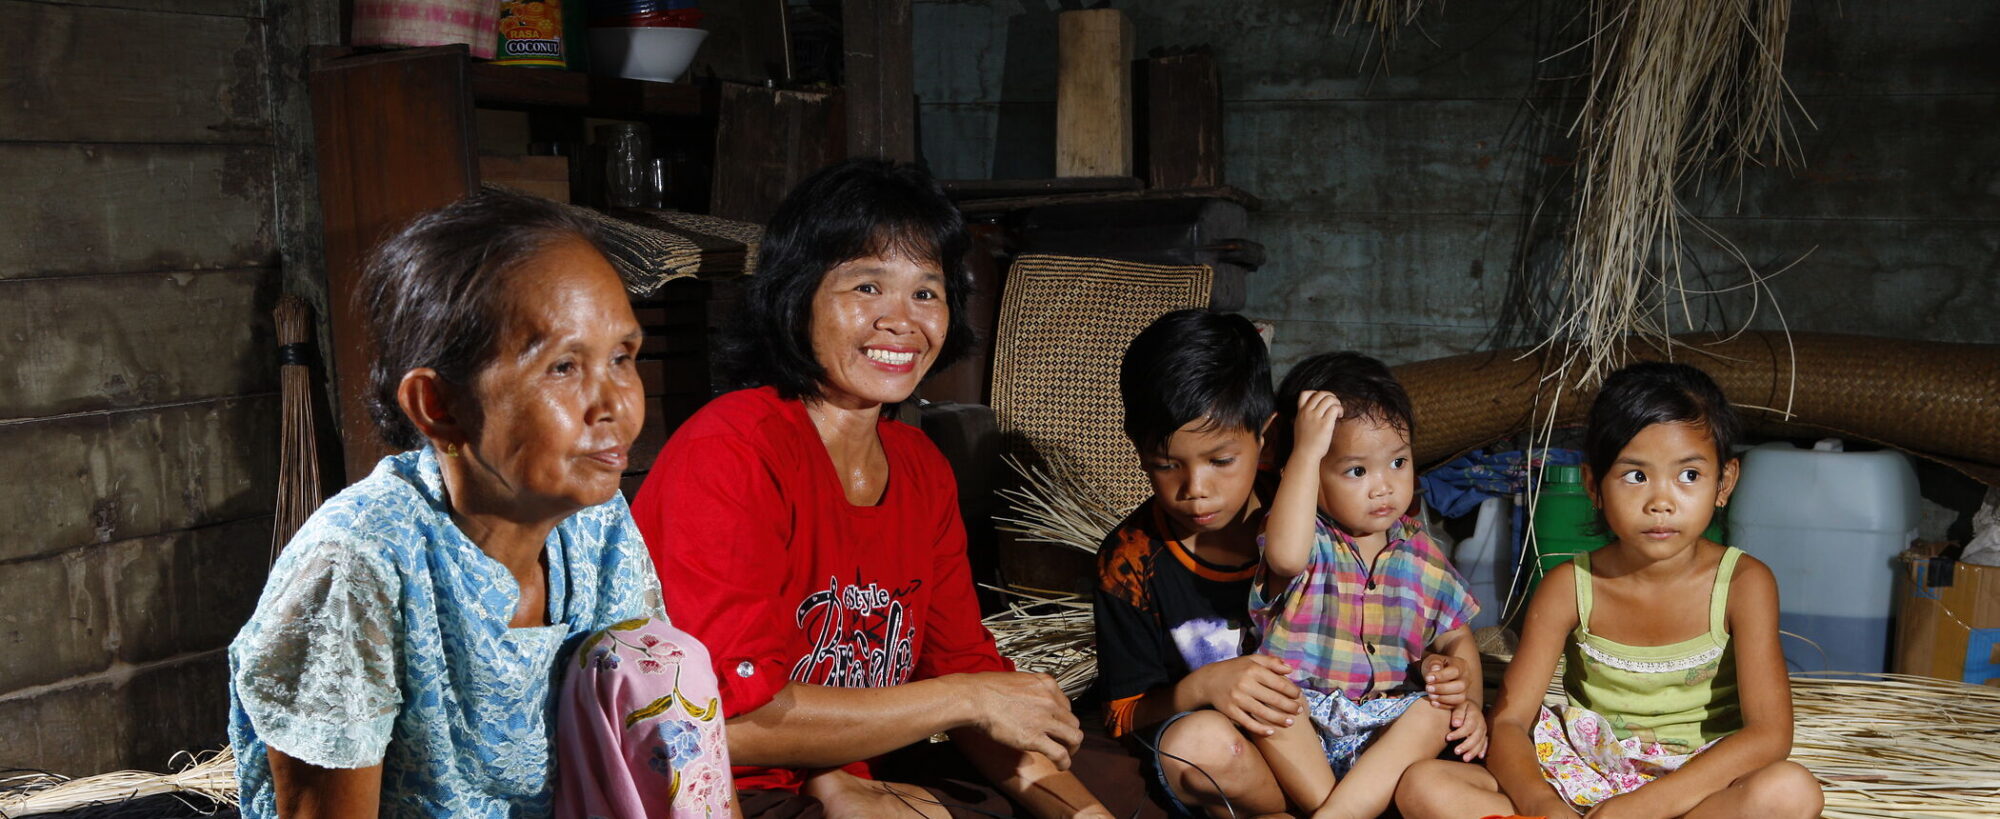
(814, 545)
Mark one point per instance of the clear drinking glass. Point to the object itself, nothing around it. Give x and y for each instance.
(628, 165)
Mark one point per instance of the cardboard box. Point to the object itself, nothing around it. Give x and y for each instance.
(1948, 617)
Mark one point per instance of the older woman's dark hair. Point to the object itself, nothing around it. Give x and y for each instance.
(432, 292)
(847, 211)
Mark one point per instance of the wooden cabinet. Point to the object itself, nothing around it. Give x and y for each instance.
(395, 138)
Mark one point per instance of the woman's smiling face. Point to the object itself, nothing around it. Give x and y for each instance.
(559, 403)
(877, 325)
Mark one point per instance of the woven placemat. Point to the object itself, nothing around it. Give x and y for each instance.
(653, 247)
(1065, 322)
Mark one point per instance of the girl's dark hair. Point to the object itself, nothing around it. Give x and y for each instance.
(1656, 392)
(432, 292)
(846, 211)
(1191, 364)
(1364, 385)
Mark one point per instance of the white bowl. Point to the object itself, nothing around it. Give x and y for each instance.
(661, 54)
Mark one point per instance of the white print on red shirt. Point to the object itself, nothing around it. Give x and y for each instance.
(859, 634)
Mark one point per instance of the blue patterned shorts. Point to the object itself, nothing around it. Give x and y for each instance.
(1347, 727)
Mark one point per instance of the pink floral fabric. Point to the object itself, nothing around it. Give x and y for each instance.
(1586, 761)
(639, 732)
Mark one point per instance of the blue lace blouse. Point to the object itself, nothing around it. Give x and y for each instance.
(382, 637)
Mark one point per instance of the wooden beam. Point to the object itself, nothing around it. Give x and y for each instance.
(1094, 93)
(1183, 122)
(394, 136)
(880, 76)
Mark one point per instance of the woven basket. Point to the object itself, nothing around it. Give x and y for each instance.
(653, 247)
(1937, 400)
(1064, 325)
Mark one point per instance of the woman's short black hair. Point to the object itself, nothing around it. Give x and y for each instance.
(432, 292)
(1656, 392)
(1364, 385)
(846, 211)
(1191, 364)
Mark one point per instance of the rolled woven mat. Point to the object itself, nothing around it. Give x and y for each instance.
(1933, 399)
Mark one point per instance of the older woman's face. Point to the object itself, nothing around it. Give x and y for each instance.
(877, 324)
(560, 402)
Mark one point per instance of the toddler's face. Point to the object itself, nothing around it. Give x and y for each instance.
(1204, 475)
(1366, 480)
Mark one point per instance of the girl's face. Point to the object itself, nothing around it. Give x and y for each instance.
(1663, 488)
(877, 324)
(558, 406)
(1366, 480)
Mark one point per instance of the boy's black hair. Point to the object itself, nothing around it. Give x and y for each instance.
(845, 211)
(1656, 392)
(433, 292)
(1191, 364)
(1364, 385)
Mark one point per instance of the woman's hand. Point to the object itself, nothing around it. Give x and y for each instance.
(1023, 711)
(1250, 690)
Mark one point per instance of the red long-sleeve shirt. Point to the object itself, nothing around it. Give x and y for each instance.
(763, 559)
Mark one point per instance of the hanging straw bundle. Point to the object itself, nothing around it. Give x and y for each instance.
(298, 451)
(1675, 88)
(210, 776)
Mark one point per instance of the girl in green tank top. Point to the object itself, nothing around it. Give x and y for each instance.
(1677, 699)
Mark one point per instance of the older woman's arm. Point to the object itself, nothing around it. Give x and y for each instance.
(311, 792)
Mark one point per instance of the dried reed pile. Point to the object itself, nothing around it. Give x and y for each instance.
(1053, 506)
(1050, 632)
(298, 448)
(1675, 89)
(211, 776)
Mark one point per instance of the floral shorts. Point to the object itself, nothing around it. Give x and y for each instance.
(1587, 763)
(639, 728)
(1346, 727)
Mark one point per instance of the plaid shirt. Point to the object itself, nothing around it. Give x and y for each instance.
(1347, 628)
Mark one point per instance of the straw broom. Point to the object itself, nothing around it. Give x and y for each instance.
(211, 776)
(298, 452)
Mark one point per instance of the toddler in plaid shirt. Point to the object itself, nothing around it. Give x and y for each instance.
(1352, 594)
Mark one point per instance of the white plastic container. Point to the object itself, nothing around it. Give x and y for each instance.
(1829, 524)
(1484, 559)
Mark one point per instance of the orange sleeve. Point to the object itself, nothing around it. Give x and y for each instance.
(1118, 715)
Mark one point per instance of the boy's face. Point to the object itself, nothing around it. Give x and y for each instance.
(1203, 475)
(1366, 480)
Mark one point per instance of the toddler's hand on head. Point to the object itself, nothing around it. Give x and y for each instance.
(1312, 431)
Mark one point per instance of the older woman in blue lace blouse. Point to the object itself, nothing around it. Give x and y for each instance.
(403, 658)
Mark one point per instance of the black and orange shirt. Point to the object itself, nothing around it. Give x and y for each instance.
(1162, 612)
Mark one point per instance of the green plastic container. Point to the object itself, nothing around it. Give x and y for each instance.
(1563, 519)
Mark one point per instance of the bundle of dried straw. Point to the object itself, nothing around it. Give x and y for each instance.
(211, 776)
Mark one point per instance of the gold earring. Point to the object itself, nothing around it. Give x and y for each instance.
(451, 450)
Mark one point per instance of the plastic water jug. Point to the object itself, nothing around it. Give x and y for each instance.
(1486, 559)
(1829, 523)
(1563, 519)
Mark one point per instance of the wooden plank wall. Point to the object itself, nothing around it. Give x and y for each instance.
(149, 203)
(1393, 197)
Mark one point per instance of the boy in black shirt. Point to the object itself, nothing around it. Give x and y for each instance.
(1174, 577)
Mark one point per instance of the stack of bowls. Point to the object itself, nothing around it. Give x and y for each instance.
(644, 39)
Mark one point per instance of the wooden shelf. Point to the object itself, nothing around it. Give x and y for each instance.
(501, 86)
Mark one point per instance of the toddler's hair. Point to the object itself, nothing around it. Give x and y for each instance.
(1191, 364)
(1364, 385)
(1656, 392)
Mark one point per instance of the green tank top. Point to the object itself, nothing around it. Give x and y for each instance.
(1681, 695)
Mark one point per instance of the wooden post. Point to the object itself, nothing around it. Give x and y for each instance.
(1183, 122)
(768, 140)
(1094, 93)
(880, 79)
